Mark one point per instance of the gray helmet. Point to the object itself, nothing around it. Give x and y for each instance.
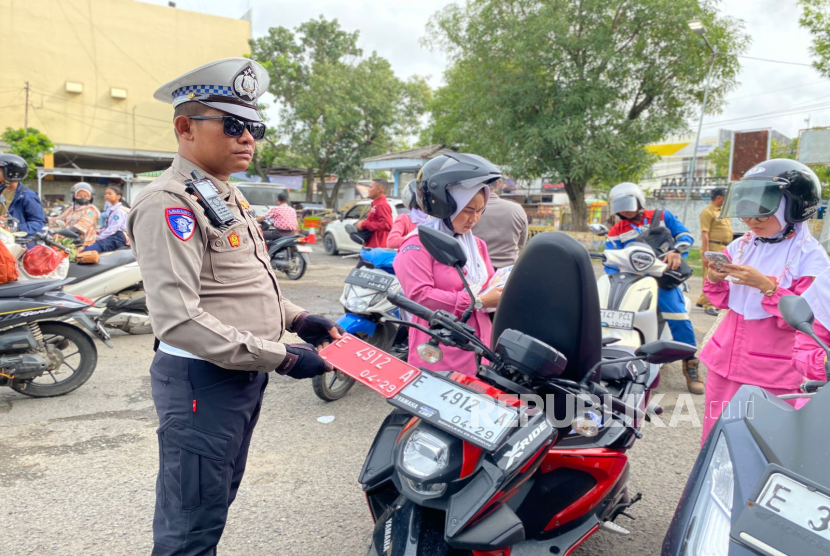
(626, 197)
(82, 186)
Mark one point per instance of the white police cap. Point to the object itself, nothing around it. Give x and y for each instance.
(231, 85)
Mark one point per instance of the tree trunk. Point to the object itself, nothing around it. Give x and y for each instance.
(579, 211)
(309, 185)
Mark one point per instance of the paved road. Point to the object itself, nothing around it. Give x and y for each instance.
(77, 473)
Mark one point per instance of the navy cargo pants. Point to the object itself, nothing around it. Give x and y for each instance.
(207, 416)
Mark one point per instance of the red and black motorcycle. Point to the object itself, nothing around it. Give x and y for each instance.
(468, 465)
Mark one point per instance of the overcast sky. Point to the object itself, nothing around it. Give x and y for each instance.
(394, 28)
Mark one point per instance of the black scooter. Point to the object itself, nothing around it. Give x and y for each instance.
(761, 483)
(42, 355)
(288, 254)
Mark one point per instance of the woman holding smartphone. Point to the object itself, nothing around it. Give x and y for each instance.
(777, 257)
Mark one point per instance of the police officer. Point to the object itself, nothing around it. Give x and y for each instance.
(715, 235)
(215, 306)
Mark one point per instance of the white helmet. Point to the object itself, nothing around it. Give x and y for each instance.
(82, 185)
(626, 197)
(408, 195)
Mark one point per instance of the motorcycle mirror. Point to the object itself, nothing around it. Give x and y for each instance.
(443, 248)
(665, 351)
(797, 312)
(598, 229)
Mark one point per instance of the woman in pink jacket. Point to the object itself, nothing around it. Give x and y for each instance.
(405, 224)
(777, 257)
(808, 357)
(453, 189)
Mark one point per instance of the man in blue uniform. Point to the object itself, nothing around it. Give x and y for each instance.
(628, 203)
(21, 202)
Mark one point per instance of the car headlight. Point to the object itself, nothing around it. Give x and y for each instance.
(357, 304)
(424, 455)
(712, 515)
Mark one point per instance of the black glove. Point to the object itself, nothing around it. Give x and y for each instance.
(302, 361)
(314, 329)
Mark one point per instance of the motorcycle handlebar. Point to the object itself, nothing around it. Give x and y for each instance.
(812, 386)
(399, 300)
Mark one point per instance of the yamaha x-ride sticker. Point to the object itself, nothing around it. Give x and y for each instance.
(181, 222)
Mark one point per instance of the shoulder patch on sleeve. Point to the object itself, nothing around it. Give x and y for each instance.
(411, 247)
(181, 221)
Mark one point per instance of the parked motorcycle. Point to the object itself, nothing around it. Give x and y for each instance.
(367, 308)
(628, 299)
(114, 284)
(520, 481)
(41, 355)
(760, 484)
(290, 255)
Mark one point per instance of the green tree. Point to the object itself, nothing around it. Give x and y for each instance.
(576, 90)
(719, 157)
(30, 146)
(815, 17)
(337, 106)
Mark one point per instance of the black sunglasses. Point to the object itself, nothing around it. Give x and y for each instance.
(234, 127)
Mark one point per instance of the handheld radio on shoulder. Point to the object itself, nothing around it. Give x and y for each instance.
(215, 209)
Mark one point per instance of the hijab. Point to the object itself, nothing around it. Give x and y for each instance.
(475, 269)
(788, 260)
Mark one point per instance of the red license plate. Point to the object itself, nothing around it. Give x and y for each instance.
(370, 366)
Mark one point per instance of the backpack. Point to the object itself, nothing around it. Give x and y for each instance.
(660, 238)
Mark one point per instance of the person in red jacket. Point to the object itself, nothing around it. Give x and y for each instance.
(379, 218)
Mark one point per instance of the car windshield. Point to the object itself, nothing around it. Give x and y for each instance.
(260, 194)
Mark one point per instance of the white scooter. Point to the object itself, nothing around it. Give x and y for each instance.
(628, 299)
(114, 284)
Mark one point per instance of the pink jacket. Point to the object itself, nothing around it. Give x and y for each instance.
(437, 286)
(757, 352)
(808, 357)
(401, 228)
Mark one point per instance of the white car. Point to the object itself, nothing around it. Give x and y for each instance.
(262, 198)
(337, 239)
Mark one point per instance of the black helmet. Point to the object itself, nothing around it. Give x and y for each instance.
(758, 193)
(14, 167)
(456, 169)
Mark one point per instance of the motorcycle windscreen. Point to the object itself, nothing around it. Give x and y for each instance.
(626, 203)
(752, 199)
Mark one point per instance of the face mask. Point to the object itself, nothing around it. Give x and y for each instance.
(82, 202)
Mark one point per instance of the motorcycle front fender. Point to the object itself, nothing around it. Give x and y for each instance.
(402, 531)
(353, 324)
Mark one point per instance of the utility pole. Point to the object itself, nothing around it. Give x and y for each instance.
(807, 121)
(26, 112)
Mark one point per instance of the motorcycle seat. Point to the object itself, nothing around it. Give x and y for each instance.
(279, 243)
(31, 288)
(107, 261)
(617, 372)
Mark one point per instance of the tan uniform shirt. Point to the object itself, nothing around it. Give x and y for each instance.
(720, 231)
(503, 227)
(213, 294)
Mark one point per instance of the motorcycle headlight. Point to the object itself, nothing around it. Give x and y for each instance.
(357, 304)
(436, 489)
(712, 515)
(424, 455)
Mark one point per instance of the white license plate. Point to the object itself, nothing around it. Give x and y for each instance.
(617, 319)
(476, 418)
(797, 503)
(304, 249)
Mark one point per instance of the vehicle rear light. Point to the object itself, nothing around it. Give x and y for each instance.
(83, 299)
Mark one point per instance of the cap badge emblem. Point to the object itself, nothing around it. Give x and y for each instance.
(245, 84)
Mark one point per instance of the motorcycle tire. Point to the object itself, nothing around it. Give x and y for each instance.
(297, 265)
(333, 386)
(55, 333)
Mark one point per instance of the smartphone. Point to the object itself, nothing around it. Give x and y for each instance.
(718, 258)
